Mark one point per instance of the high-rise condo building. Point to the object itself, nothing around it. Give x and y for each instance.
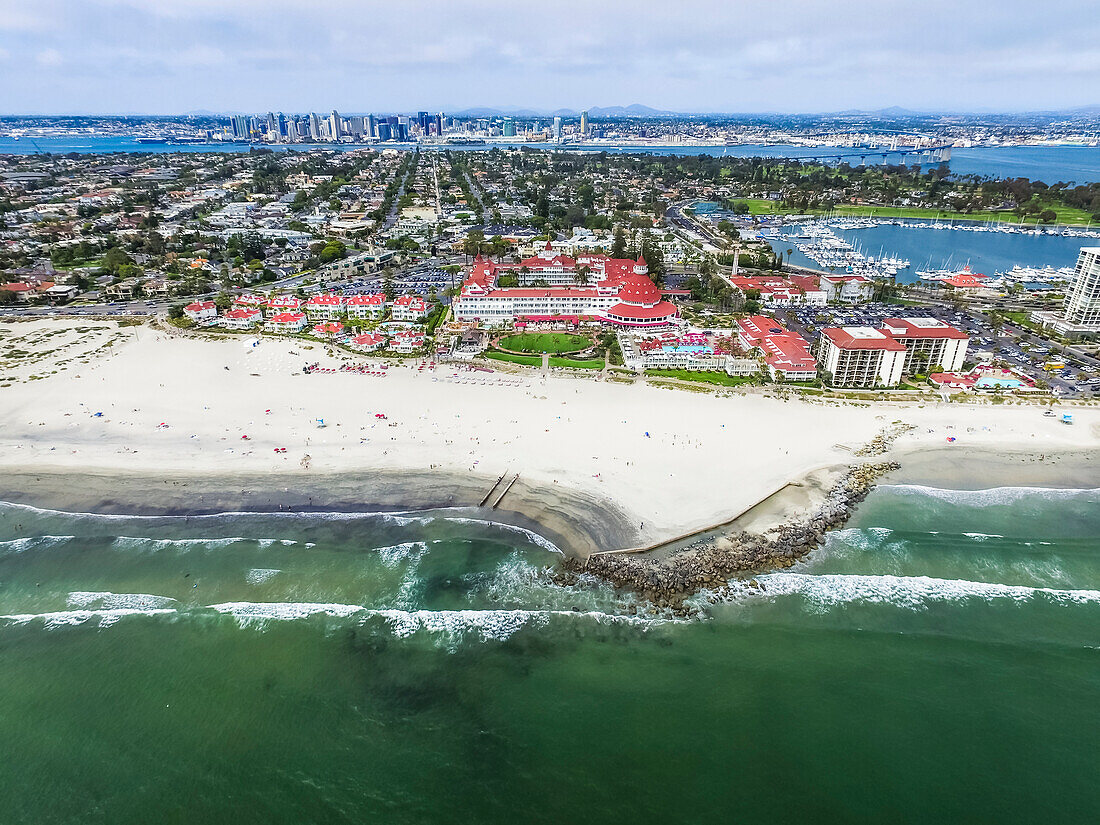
(1080, 315)
(584, 123)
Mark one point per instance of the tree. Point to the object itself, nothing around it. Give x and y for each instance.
(175, 312)
(618, 245)
(582, 274)
(1048, 216)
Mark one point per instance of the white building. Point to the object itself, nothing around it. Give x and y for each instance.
(325, 307)
(928, 342)
(861, 357)
(366, 306)
(409, 308)
(287, 322)
(1080, 315)
(849, 289)
(201, 312)
(242, 318)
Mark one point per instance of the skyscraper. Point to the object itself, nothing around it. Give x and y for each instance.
(1082, 307)
(584, 123)
(372, 127)
(557, 128)
(439, 124)
(314, 126)
(335, 125)
(509, 127)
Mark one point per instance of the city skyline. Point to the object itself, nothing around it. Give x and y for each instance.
(121, 56)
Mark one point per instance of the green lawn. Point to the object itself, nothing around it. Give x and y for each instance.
(536, 361)
(1066, 215)
(540, 342)
(719, 378)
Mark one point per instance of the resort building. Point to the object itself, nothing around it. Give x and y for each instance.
(787, 354)
(1080, 315)
(861, 357)
(201, 312)
(621, 293)
(325, 307)
(281, 304)
(776, 290)
(368, 342)
(929, 342)
(287, 322)
(409, 308)
(242, 318)
(328, 328)
(366, 306)
(848, 289)
(671, 350)
(407, 341)
(246, 300)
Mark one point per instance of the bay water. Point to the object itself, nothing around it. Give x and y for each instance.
(937, 660)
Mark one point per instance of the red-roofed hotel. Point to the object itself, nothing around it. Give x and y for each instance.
(621, 291)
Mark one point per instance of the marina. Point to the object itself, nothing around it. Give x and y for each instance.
(902, 249)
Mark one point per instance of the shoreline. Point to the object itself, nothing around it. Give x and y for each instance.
(576, 523)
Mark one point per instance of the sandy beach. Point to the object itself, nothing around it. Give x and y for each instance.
(600, 463)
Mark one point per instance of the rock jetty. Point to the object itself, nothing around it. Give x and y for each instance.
(711, 563)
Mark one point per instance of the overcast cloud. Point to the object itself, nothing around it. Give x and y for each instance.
(172, 56)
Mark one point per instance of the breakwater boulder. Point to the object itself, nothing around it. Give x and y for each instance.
(710, 564)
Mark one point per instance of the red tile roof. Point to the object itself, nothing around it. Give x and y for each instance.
(851, 338)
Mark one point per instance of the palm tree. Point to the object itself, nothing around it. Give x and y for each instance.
(523, 273)
(582, 274)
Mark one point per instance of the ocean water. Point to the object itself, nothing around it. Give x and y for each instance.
(937, 660)
(1050, 164)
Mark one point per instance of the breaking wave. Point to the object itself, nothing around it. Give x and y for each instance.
(912, 592)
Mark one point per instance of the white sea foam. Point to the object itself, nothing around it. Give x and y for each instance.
(983, 536)
(410, 551)
(258, 575)
(992, 495)
(145, 543)
(451, 625)
(105, 600)
(68, 618)
(32, 543)
(913, 592)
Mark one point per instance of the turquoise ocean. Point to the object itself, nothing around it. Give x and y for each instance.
(938, 660)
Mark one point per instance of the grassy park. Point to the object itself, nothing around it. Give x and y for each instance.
(554, 343)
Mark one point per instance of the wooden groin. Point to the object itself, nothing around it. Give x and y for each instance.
(492, 489)
(505, 491)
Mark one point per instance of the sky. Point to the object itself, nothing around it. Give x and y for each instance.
(175, 56)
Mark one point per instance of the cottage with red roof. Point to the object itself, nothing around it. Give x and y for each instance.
(201, 312)
(242, 318)
(281, 304)
(861, 357)
(325, 307)
(368, 342)
(366, 306)
(327, 329)
(287, 322)
(409, 308)
(407, 341)
(247, 300)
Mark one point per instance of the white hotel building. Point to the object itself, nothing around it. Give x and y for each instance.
(621, 292)
(861, 357)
